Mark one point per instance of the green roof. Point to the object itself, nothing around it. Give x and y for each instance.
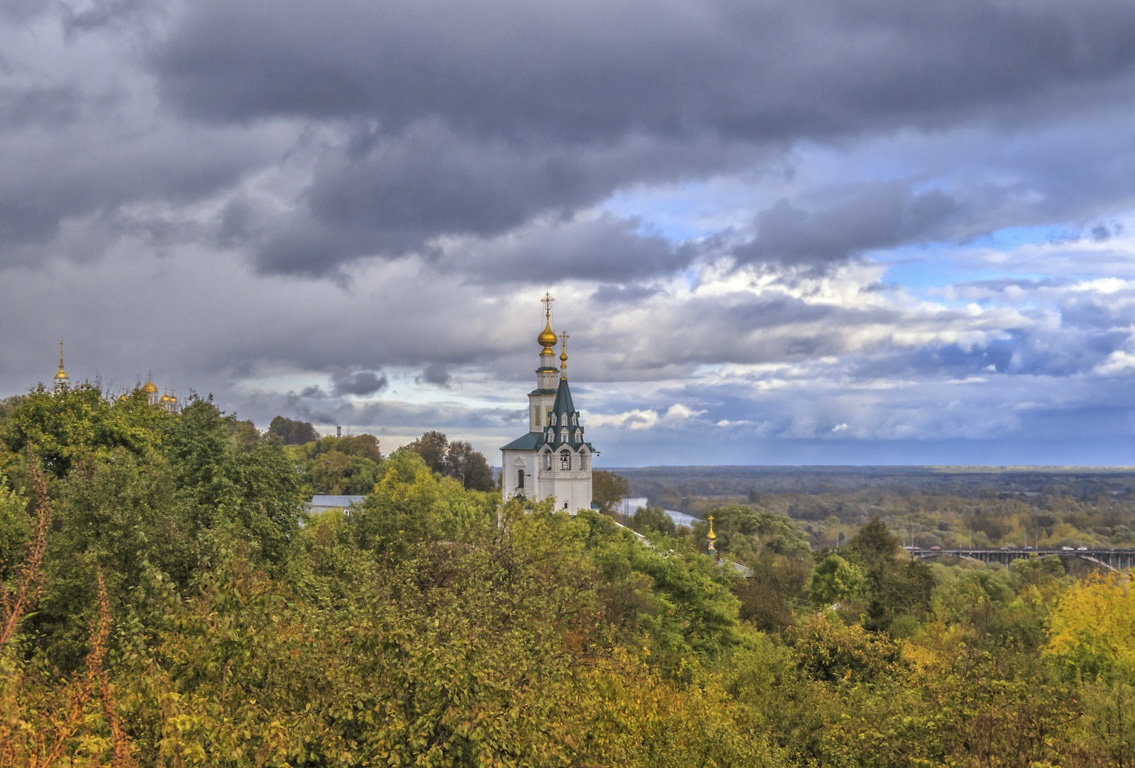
(563, 402)
(528, 442)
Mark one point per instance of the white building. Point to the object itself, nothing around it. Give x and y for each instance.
(552, 459)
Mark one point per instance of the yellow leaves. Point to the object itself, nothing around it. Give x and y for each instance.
(1092, 628)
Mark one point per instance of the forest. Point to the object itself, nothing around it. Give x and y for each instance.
(988, 507)
(165, 599)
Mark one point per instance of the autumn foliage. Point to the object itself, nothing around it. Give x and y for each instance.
(165, 600)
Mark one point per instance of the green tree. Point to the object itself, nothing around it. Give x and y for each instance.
(832, 652)
(470, 466)
(608, 489)
(411, 505)
(15, 526)
(432, 447)
(653, 519)
(221, 479)
(834, 580)
(292, 432)
(896, 585)
(66, 425)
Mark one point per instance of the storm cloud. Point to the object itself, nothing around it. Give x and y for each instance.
(815, 231)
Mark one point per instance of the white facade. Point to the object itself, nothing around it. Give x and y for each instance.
(553, 460)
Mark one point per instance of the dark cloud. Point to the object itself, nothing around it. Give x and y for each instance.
(1103, 232)
(436, 374)
(398, 194)
(765, 71)
(454, 133)
(603, 248)
(861, 219)
(177, 181)
(358, 383)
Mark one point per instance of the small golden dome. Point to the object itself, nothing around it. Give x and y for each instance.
(164, 399)
(61, 375)
(122, 398)
(149, 387)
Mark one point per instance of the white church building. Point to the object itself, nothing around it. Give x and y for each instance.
(552, 459)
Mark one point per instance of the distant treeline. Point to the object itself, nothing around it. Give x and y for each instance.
(957, 481)
(982, 507)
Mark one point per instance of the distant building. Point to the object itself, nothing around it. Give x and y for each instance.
(166, 401)
(552, 459)
(322, 503)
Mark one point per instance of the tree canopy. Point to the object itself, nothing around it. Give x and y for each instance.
(164, 599)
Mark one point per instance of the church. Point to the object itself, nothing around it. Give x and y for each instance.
(552, 459)
(167, 402)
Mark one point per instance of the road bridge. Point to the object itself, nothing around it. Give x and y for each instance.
(1111, 559)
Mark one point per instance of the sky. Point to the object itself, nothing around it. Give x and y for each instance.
(864, 232)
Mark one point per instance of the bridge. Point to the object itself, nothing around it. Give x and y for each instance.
(1111, 559)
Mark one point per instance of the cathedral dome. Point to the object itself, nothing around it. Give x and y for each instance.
(149, 387)
(547, 337)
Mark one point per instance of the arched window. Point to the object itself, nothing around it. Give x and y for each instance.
(547, 460)
(520, 479)
(551, 418)
(565, 460)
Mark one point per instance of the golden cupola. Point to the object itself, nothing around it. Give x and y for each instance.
(563, 355)
(61, 375)
(150, 388)
(547, 338)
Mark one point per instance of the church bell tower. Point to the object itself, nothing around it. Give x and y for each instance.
(552, 460)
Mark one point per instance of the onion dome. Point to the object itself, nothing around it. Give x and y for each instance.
(547, 338)
(165, 399)
(149, 387)
(563, 355)
(122, 398)
(61, 375)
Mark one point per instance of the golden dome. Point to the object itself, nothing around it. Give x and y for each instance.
(61, 375)
(547, 337)
(122, 398)
(149, 387)
(563, 354)
(164, 399)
